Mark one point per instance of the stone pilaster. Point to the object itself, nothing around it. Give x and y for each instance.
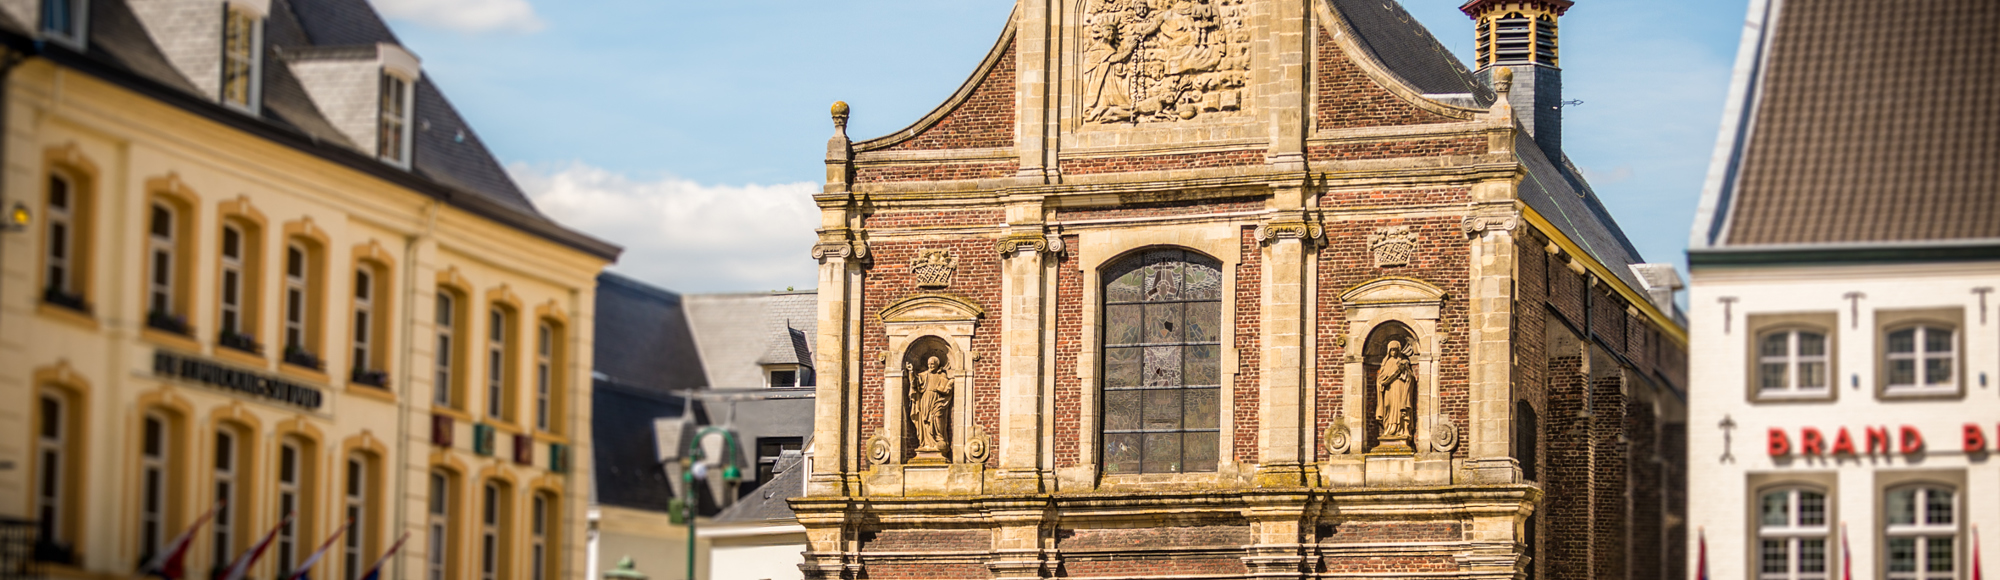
(1277, 527)
(1281, 76)
(1034, 31)
(1489, 441)
(1281, 430)
(1021, 333)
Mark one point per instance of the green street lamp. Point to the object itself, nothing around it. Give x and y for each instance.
(692, 470)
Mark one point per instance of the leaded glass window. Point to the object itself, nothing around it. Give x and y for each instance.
(1922, 533)
(1792, 535)
(1162, 363)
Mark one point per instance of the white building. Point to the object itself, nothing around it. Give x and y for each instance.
(1845, 340)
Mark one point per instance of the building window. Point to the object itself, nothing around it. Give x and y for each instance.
(436, 559)
(237, 291)
(492, 530)
(153, 484)
(242, 55)
(538, 536)
(63, 19)
(52, 460)
(784, 378)
(1162, 344)
(1792, 535)
(498, 377)
(354, 505)
(546, 343)
(1921, 358)
(367, 336)
(63, 266)
(1922, 533)
(1791, 361)
(770, 450)
(299, 302)
(393, 132)
(226, 496)
(447, 353)
(288, 505)
(162, 280)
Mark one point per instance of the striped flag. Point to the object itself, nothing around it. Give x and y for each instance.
(171, 562)
(242, 565)
(1975, 553)
(375, 572)
(1846, 555)
(306, 566)
(1701, 555)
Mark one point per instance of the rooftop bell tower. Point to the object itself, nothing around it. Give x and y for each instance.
(1521, 35)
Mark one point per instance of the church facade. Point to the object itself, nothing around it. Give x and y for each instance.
(1239, 288)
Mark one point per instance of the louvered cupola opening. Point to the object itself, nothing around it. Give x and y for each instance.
(1520, 35)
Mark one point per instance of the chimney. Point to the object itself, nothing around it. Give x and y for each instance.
(1521, 35)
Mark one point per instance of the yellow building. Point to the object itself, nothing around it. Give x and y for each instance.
(267, 262)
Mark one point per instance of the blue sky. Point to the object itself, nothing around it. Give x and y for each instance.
(691, 132)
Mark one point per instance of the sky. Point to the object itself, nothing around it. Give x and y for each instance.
(692, 133)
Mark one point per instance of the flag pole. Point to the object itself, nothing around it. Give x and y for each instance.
(168, 562)
(306, 566)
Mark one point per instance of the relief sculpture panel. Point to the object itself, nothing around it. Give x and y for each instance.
(1152, 61)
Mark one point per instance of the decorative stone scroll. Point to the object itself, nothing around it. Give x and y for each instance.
(1155, 61)
(1301, 230)
(1444, 435)
(1392, 246)
(978, 445)
(1017, 242)
(1476, 224)
(1338, 438)
(933, 268)
(879, 452)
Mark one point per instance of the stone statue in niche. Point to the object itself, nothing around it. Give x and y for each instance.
(1392, 377)
(1149, 61)
(930, 391)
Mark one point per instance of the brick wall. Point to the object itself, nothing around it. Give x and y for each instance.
(1566, 478)
(1348, 98)
(881, 173)
(1378, 532)
(1151, 565)
(1161, 209)
(1089, 165)
(926, 540)
(1396, 197)
(1249, 303)
(1390, 565)
(1229, 535)
(920, 219)
(1400, 148)
(926, 571)
(887, 281)
(1069, 436)
(985, 119)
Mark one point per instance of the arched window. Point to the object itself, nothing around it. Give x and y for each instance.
(302, 304)
(228, 493)
(542, 532)
(291, 465)
(499, 364)
(1162, 381)
(449, 327)
(493, 530)
(66, 259)
(440, 528)
(368, 336)
(1791, 361)
(1792, 535)
(1921, 533)
(155, 481)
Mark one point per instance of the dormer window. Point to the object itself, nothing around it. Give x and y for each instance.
(242, 57)
(63, 20)
(393, 133)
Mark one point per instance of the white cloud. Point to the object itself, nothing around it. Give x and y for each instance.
(465, 15)
(687, 236)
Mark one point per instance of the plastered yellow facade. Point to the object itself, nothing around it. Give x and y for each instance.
(96, 371)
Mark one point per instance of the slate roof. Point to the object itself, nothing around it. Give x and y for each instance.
(642, 337)
(1398, 41)
(624, 453)
(736, 333)
(1860, 124)
(767, 503)
(448, 159)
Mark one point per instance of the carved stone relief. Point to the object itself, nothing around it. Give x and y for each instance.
(978, 446)
(1392, 246)
(933, 268)
(1152, 61)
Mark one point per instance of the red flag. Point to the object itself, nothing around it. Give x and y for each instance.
(171, 561)
(1701, 556)
(375, 572)
(241, 566)
(1975, 553)
(1846, 555)
(307, 565)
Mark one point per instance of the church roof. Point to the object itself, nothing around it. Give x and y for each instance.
(448, 160)
(1394, 38)
(1858, 125)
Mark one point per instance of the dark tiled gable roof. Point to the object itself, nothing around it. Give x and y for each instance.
(1872, 122)
(448, 160)
(624, 452)
(642, 337)
(1395, 39)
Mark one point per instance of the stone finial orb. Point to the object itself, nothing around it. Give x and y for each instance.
(840, 113)
(1503, 79)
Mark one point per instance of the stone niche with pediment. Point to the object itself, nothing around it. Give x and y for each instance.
(1407, 310)
(918, 328)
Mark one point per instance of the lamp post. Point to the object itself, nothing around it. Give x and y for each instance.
(693, 470)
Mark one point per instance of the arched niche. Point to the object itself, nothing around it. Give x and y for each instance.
(1403, 310)
(1391, 386)
(919, 328)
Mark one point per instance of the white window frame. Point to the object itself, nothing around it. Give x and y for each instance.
(496, 363)
(1923, 531)
(228, 456)
(290, 458)
(447, 316)
(248, 62)
(78, 25)
(1795, 534)
(230, 295)
(298, 296)
(489, 532)
(61, 249)
(160, 259)
(771, 376)
(1919, 356)
(438, 527)
(538, 537)
(364, 316)
(544, 377)
(51, 457)
(396, 98)
(155, 443)
(354, 504)
(1794, 362)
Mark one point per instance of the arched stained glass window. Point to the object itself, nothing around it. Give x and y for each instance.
(1162, 363)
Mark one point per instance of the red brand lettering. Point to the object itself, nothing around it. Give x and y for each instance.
(1878, 438)
(1913, 442)
(1780, 445)
(1842, 443)
(1811, 442)
(1975, 439)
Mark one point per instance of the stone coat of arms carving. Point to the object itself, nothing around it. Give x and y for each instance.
(1392, 246)
(933, 268)
(1148, 61)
